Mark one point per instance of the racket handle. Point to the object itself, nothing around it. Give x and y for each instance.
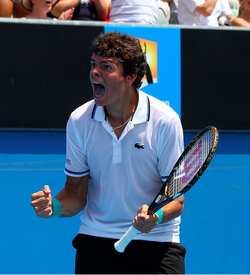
(126, 239)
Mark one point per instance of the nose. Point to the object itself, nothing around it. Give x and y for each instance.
(95, 71)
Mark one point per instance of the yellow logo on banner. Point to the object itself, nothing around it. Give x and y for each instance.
(150, 50)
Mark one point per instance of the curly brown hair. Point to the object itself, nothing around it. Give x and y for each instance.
(126, 49)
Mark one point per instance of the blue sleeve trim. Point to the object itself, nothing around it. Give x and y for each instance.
(76, 174)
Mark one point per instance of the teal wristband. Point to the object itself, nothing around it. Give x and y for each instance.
(160, 214)
(56, 207)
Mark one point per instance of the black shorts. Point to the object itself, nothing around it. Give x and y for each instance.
(96, 255)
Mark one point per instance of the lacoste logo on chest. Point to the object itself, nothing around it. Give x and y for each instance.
(138, 145)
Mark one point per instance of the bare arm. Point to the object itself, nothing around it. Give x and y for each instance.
(173, 209)
(145, 223)
(168, 1)
(64, 5)
(230, 16)
(73, 198)
(103, 8)
(67, 15)
(6, 8)
(240, 22)
(207, 8)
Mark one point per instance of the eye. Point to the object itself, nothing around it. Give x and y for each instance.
(107, 67)
(92, 64)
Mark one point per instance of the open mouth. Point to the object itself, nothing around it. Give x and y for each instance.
(48, 3)
(99, 89)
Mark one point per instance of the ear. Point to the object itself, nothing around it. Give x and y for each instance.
(131, 78)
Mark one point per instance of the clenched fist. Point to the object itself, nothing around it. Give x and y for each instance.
(42, 202)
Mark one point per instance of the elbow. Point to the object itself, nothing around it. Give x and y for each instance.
(182, 208)
(103, 11)
(204, 10)
(102, 18)
(102, 15)
(207, 12)
(182, 202)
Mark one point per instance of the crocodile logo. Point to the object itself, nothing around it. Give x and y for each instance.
(138, 145)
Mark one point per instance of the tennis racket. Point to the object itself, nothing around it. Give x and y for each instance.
(188, 169)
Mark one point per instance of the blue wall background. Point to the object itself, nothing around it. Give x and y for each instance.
(214, 226)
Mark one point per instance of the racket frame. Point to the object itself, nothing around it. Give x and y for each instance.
(155, 205)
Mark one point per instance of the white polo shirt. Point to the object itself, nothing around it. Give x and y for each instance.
(188, 16)
(134, 11)
(186, 13)
(221, 8)
(122, 175)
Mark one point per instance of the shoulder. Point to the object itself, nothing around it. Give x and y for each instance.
(160, 109)
(80, 118)
(84, 110)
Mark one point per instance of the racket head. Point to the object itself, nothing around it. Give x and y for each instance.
(189, 167)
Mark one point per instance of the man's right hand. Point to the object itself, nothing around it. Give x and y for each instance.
(42, 202)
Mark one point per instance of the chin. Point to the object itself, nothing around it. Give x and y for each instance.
(98, 101)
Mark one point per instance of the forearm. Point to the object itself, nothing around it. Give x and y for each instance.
(73, 197)
(63, 5)
(207, 8)
(71, 204)
(145, 223)
(168, 1)
(173, 210)
(240, 22)
(103, 8)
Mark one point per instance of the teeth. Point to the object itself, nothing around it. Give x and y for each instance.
(95, 82)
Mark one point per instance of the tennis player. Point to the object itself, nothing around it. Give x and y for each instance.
(121, 146)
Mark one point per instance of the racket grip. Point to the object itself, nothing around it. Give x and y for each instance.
(126, 239)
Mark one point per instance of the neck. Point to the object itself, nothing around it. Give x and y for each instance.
(122, 125)
(119, 116)
(122, 110)
(38, 13)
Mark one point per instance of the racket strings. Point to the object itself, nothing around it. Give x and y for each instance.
(191, 164)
